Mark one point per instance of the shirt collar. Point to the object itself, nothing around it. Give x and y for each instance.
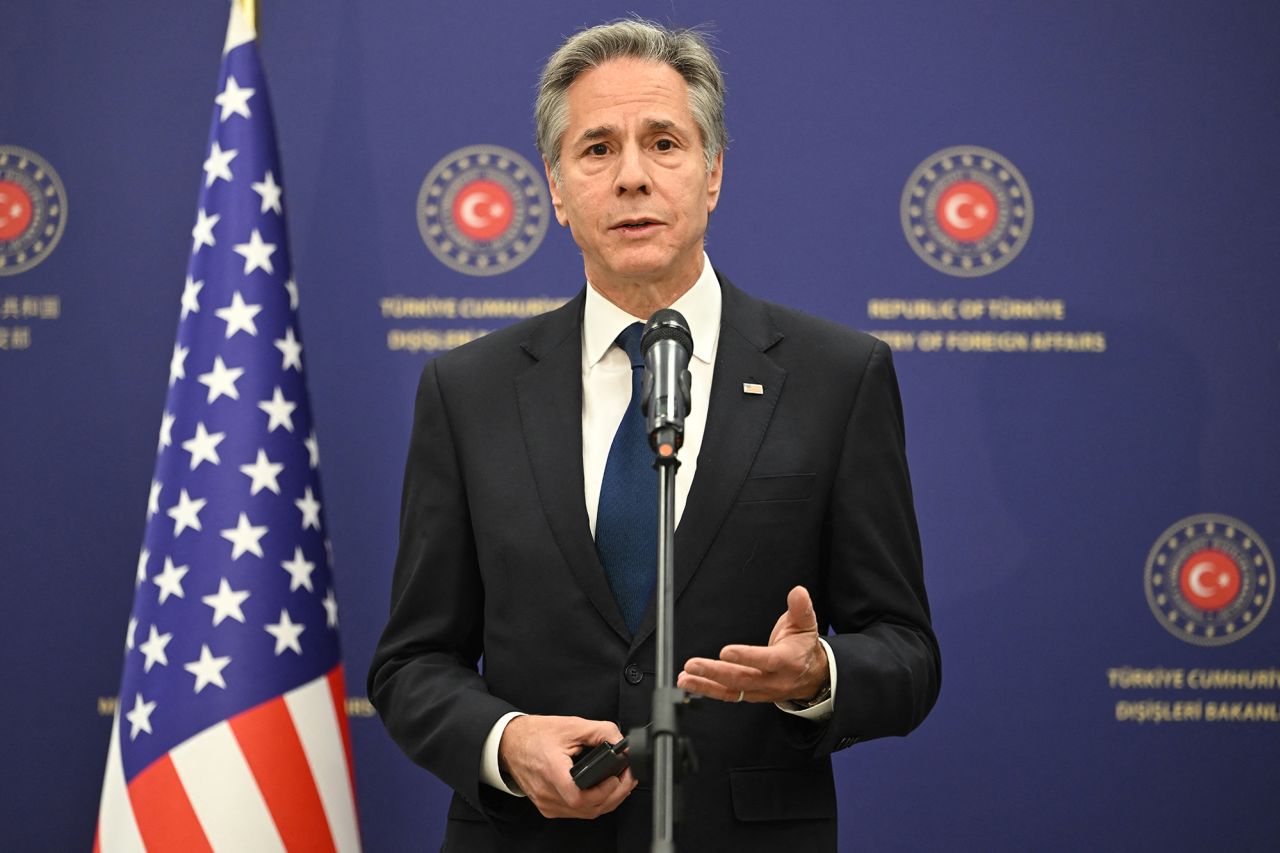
(602, 321)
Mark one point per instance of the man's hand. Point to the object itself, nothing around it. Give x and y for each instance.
(793, 667)
(537, 752)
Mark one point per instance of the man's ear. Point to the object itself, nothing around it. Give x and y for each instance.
(713, 182)
(556, 201)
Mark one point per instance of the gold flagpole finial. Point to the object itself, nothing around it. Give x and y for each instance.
(244, 24)
(250, 9)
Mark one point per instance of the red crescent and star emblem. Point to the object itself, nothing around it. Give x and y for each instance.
(1210, 579)
(966, 211)
(483, 210)
(33, 209)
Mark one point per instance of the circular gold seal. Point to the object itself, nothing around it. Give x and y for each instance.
(1209, 579)
(33, 209)
(966, 211)
(483, 210)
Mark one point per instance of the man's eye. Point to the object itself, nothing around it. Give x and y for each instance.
(665, 145)
(599, 149)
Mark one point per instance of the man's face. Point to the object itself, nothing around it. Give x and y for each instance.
(634, 187)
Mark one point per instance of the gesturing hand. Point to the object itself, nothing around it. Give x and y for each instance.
(792, 667)
(537, 752)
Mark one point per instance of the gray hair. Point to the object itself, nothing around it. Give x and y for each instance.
(685, 50)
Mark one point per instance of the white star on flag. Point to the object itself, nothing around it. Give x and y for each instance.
(256, 253)
(313, 449)
(279, 411)
(310, 509)
(263, 473)
(299, 569)
(270, 192)
(226, 603)
(153, 499)
(154, 649)
(130, 633)
(207, 669)
(221, 380)
(170, 580)
(178, 364)
(239, 316)
(291, 351)
(166, 430)
(234, 100)
(244, 537)
(330, 603)
(186, 513)
(190, 301)
(203, 446)
(286, 633)
(202, 233)
(140, 717)
(141, 574)
(218, 166)
(292, 287)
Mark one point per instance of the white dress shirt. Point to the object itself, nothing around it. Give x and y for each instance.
(606, 393)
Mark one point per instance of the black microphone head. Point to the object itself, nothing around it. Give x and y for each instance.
(667, 324)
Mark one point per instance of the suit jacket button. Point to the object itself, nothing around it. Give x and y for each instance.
(632, 674)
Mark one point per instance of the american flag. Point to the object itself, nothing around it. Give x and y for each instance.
(230, 731)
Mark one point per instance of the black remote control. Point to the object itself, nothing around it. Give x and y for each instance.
(593, 766)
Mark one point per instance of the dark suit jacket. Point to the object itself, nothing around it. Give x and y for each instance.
(804, 484)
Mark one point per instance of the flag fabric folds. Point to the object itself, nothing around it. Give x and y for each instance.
(230, 731)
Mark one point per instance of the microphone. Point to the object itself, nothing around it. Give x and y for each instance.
(667, 344)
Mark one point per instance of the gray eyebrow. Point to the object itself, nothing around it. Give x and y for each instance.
(605, 130)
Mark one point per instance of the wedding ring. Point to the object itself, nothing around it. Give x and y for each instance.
(741, 693)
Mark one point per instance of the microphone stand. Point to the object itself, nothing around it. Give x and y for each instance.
(661, 749)
(667, 699)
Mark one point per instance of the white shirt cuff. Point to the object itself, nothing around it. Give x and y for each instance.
(490, 772)
(818, 712)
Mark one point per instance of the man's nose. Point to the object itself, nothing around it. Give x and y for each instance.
(633, 172)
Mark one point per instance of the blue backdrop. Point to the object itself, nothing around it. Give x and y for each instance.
(1054, 456)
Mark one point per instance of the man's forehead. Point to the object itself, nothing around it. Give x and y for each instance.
(654, 88)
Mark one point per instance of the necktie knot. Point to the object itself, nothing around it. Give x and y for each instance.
(629, 340)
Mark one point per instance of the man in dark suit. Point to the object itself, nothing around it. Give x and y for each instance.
(793, 495)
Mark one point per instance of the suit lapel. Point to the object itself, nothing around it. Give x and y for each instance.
(550, 400)
(736, 426)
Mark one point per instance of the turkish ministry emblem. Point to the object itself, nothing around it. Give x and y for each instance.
(483, 210)
(966, 211)
(1210, 580)
(33, 209)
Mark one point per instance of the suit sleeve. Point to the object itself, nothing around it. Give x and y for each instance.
(424, 679)
(887, 658)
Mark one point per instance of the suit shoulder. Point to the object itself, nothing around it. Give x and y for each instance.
(832, 341)
(507, 348)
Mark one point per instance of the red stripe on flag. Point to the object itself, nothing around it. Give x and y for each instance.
(338, 689)
(165, 818)
(270, 744)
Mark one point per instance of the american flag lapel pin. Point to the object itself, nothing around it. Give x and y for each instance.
(752, 388)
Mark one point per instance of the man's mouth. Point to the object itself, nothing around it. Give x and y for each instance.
(635, 225)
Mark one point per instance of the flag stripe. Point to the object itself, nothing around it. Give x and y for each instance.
(271, 746)
(117, 827)
(165, 818)
(338, 689)
(224, 793)
(311, 707)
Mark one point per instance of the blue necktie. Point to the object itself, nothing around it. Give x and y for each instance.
(627, 517)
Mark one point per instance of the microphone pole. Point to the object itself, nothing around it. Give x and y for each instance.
(667, 344)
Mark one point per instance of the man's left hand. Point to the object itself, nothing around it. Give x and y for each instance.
(793, 667)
